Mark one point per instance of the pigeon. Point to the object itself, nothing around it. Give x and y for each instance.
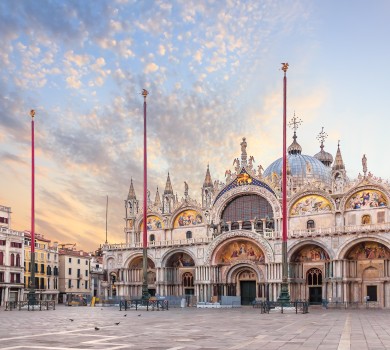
(71, 320)
(117, 323)
(97, 328)
(124, 315)
(139, 315)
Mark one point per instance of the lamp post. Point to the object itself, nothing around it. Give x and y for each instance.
(31, 294)
(145, 292)
(284, 296)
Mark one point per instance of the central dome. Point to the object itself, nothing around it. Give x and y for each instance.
(301, 167)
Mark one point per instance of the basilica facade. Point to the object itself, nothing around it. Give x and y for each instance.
(230, 244)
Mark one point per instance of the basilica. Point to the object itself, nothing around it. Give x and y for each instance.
(230, 244)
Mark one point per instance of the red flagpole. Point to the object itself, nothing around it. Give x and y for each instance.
(145, 292)
(32, 245)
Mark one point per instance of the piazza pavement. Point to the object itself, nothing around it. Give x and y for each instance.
(190, 328)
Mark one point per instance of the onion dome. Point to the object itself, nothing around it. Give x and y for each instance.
(301, 167)
(323, 156)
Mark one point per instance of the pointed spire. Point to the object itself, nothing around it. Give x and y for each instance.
(168, 186)
(243, 152)
(338, 162)
(207, 180)
(157, 200)
(131, 194)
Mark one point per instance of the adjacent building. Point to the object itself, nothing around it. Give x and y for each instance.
(11, 259)
(230, 243)
(74, 279)
(46, 267)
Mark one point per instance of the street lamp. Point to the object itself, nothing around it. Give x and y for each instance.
(145, 292)
(31, 294)
(284, 296)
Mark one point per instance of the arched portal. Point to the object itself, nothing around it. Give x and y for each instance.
(135, 277)
(367, 263)
(179, 274)
(309, 266)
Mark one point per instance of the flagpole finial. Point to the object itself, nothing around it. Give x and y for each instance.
(284, 67)
(32, 113)
(144, 93)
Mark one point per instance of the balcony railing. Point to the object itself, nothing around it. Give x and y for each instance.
(190, 241)
(326, 231)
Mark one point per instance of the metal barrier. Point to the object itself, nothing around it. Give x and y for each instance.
(30, 305)
(299, 306)
(136, 303)
(348, 305)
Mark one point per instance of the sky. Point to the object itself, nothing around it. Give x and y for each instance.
(213, 72)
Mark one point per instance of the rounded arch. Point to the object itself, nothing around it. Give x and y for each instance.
(262, 243)
(356, 198)
(155, 221)
(346, 247)
(228, 196)
(186, 217)
(239, 267)
(311, 202)
(184, 207)
(297, 247)
(136, 256)
(172, 252)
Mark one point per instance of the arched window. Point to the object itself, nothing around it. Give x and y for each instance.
(1, 258)
(17, 259)
(235, 226)
(247, 225)
(188, 279)
(188, 234)
(152, 238)
(366, 219)
(12, 259)
(247, 207)
(314, 277)
(310, 225)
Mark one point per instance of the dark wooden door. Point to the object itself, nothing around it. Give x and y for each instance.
(248, 292)
(315, 295)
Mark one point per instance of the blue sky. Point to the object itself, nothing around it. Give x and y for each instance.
(213, 72)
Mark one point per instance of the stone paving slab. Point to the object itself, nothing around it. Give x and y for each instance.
(191, 328)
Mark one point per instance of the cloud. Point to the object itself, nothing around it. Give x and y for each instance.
(150, 68)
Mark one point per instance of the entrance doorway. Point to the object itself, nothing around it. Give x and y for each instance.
(314, 282)
(315, 295)
(372, 293)
(248, 292)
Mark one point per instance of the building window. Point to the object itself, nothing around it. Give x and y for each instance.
(1, 276)
(78, 273)
(86, 262)
(247, 225)
(12, 260)
(18, 260)
(42, 268)
(48, 270)
(381, 217)
(86, 284)
(235, 226)
(188, 234)
(16, 245)
(55, 271)
(1, 258)
(188, 279)
(69, 283)
(42, 283)
(78, 284)
(86, 273)
(2, 242)
(78, 261)
(69, 271)
(48, 283)
(152, 238)
(310, 225)
(366, 219)
(314, 277)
